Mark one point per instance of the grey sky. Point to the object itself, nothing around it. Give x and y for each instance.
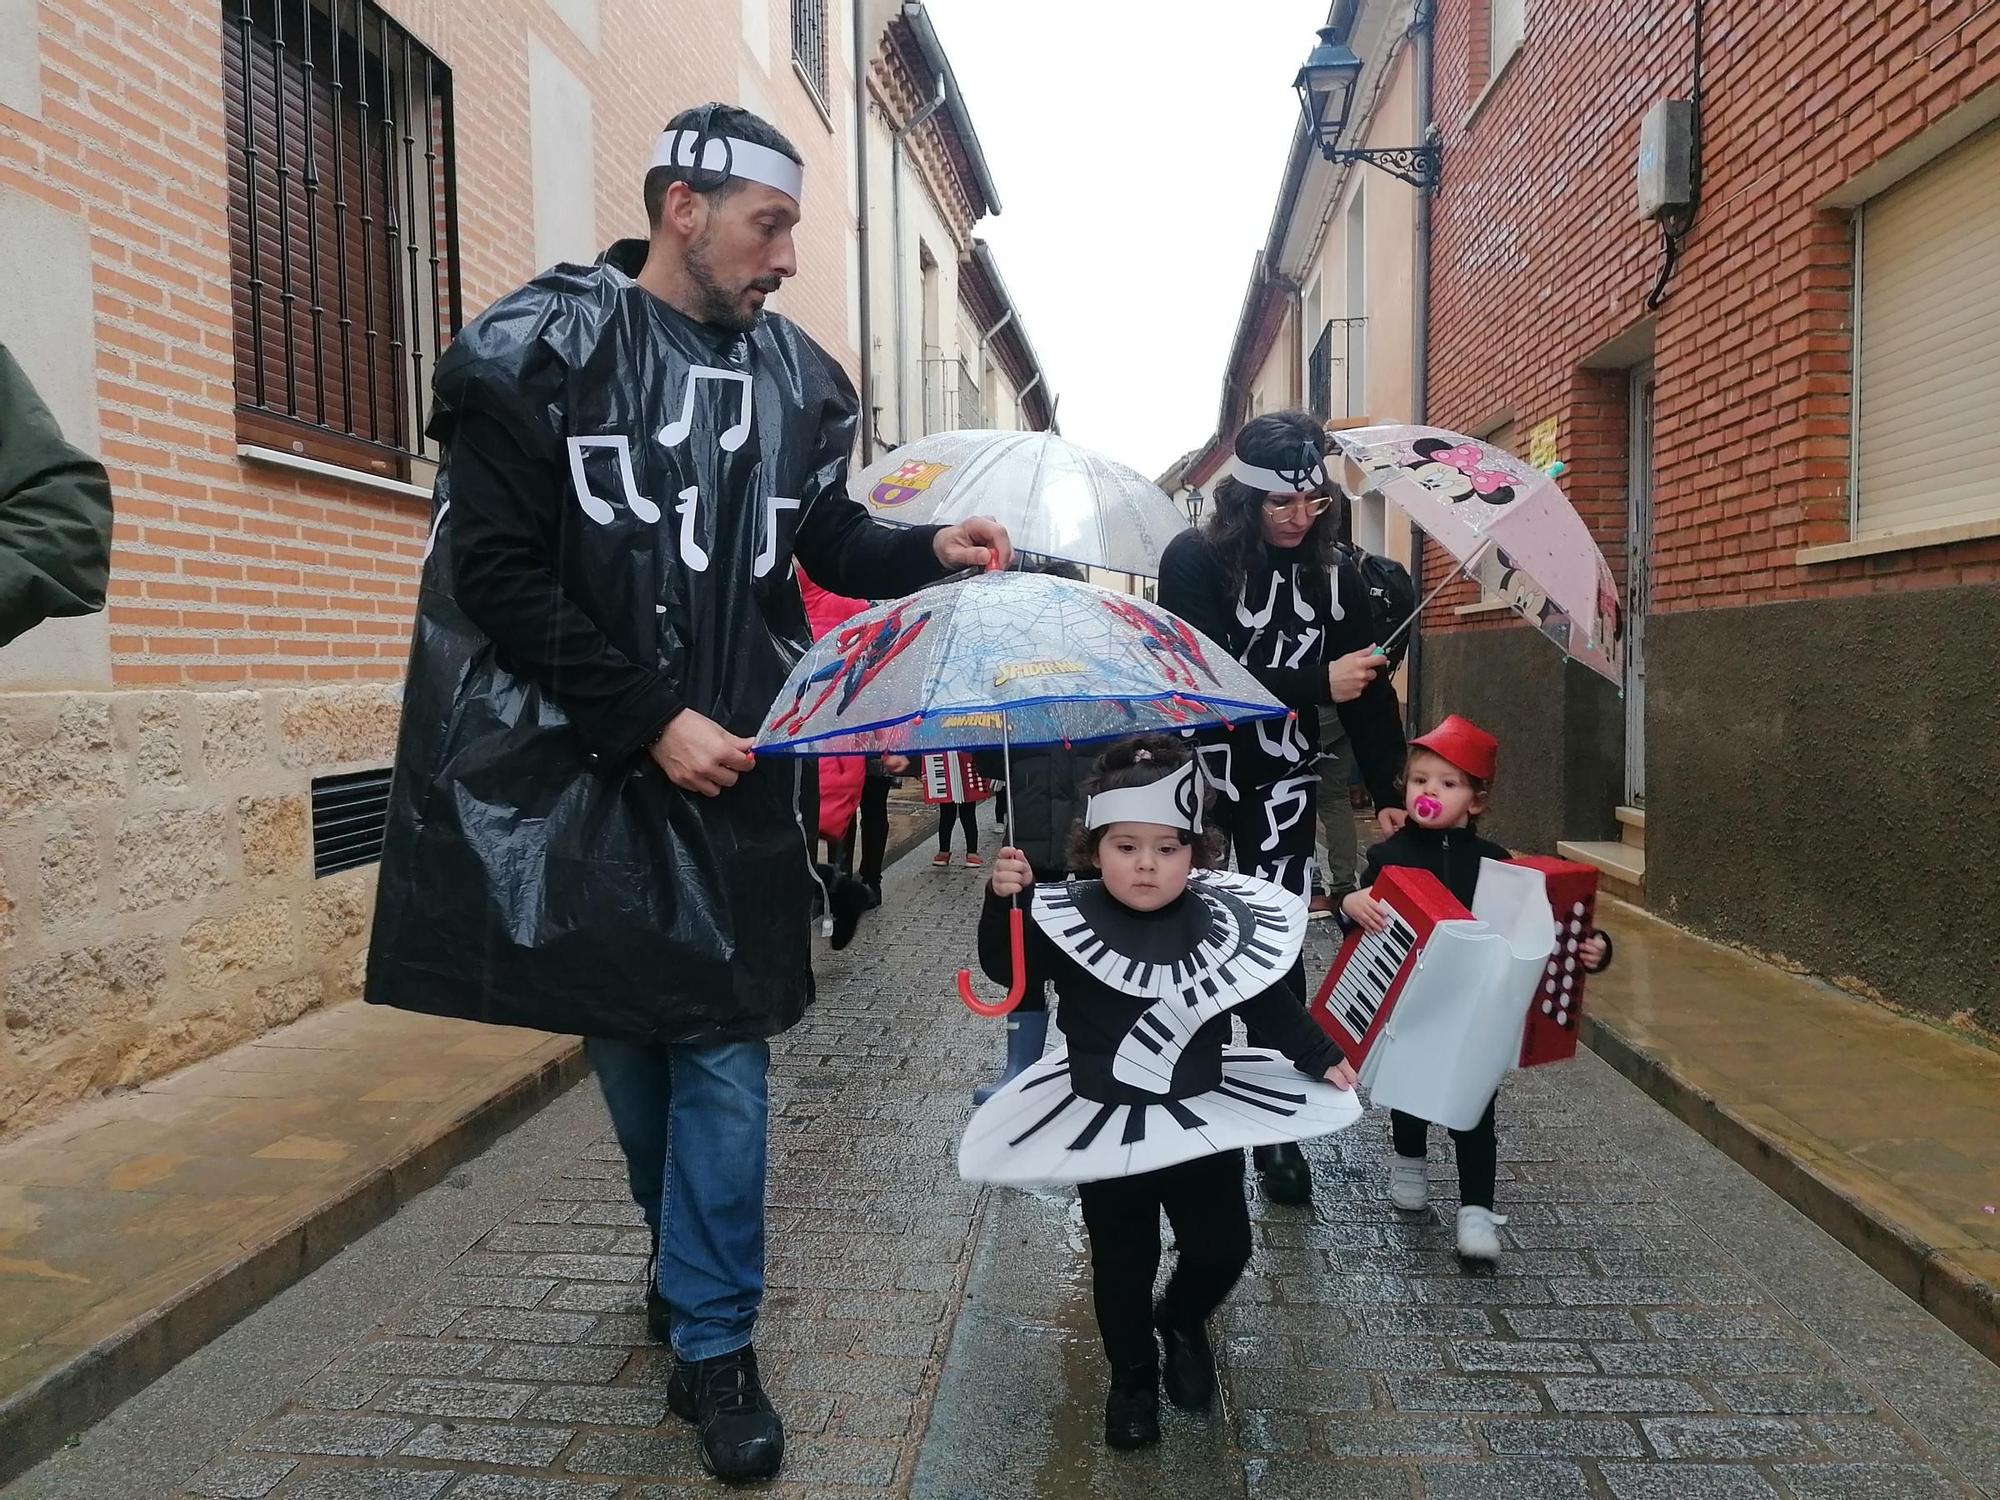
(1137, 145)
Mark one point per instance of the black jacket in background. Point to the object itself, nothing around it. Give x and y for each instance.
(1043, 803)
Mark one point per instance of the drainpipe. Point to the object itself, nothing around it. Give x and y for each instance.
(1420, 314)
(915, 122)
(865, 331)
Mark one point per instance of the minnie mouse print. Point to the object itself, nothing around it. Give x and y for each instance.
(1460, 472)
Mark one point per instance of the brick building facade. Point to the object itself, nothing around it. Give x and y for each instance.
(1812, 716)
(176, 772)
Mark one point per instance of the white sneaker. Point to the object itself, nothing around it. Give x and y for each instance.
(1409, 1182)
(1478, 1233)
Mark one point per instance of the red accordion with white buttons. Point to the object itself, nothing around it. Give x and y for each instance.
(952, 777)
(1558, 1005)
(1369, 973)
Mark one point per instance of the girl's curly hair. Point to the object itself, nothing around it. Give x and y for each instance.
(1140, 761)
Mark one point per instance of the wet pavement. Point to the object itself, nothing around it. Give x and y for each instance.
(1660, 1326)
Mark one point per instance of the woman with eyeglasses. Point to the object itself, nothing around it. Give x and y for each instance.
(1264, 579)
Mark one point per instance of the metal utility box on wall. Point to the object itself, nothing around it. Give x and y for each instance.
(1666, 159)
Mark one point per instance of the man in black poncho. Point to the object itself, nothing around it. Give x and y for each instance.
(579, 837)
(1265, 580)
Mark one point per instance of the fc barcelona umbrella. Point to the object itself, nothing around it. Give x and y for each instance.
(1054, 497)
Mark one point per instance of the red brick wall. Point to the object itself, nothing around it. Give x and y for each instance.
(1539, 259)
(230, 573)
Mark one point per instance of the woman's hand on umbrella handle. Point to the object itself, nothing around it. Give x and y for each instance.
(1348, 677)
(977, 542)
(896, 765)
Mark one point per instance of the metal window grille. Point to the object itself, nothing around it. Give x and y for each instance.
(349, 814)
(343, 228)
(1319, 366)
(811, 44)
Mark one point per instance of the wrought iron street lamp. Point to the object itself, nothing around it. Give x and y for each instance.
(1326, 94)
(1193, 500)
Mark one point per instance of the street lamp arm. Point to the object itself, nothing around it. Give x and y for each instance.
(1416, 165)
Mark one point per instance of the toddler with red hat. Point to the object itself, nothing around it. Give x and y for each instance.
(1447, 783)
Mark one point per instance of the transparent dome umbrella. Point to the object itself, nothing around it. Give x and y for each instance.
(1055, 498)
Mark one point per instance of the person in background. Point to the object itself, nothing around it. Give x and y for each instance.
(55, 514)
(1263, 579)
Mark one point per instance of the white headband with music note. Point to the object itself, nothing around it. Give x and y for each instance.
(731, 157)
(1298, 482)
(1172, 802)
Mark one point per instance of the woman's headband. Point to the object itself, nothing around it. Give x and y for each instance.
(1310, 480)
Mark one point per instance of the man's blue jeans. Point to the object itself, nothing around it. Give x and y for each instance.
(692, 1122)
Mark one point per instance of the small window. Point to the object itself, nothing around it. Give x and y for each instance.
(342, 228)
(349, 816)
(811, 45)
(1927, 347)
(1506, 25)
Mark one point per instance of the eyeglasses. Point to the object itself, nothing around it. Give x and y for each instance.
(1314, 505)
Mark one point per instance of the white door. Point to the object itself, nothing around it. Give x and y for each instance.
(1638, 582)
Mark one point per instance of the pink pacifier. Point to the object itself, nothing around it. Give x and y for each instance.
(1427, 806)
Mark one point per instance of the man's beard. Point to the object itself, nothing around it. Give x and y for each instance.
(715, 303)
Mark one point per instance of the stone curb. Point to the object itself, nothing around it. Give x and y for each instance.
(1953, 1293)
(36, 1420)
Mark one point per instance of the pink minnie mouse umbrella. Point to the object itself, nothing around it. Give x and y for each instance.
(1508, 525)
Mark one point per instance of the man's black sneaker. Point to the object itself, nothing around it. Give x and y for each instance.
(1190, 1372)
(1285, 1172)
(742, 1438)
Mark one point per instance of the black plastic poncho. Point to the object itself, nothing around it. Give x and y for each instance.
(622, 494)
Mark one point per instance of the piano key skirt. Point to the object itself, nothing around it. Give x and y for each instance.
(1038, 1129)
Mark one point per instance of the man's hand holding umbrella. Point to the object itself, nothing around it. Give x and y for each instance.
(700, 756)
(976, 542)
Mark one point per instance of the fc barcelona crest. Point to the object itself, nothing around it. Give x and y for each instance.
(901, 486)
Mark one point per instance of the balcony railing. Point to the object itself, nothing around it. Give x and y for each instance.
(951, 394)
(1334, 336)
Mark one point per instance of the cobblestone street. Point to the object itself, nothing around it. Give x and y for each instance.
(1660, 1327)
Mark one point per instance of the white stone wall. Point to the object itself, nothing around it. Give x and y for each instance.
(157, 901)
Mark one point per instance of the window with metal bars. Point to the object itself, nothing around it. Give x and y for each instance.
(349, 815)
(343, 229)
(811, 44)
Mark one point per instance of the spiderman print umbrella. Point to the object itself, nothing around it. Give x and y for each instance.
(1003, 659)
(1006, 658)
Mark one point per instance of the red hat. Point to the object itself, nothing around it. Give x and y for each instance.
(1464, 744)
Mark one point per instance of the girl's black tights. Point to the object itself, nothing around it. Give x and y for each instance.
(967, 814)
(1203, 1200)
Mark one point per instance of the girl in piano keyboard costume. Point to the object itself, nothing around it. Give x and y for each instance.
(1147, 1108)
(1448, 782)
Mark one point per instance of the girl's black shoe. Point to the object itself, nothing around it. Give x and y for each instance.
(1132, 1410)
(1190, 1372)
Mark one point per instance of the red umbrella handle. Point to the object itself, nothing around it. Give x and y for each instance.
(1016, 988)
